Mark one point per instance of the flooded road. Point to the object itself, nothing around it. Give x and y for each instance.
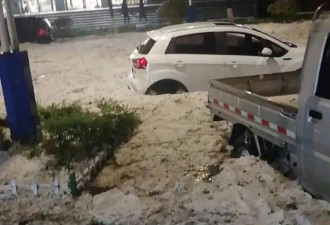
(180, 144)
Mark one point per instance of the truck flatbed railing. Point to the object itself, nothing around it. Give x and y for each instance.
(258, 88)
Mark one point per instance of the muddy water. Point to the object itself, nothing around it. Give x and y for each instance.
(176, 142)
(95, 190)
(205, 173)
(112, 177)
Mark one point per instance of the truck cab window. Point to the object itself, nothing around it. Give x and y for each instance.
(323, 89)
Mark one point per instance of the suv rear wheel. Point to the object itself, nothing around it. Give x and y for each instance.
(166, 87)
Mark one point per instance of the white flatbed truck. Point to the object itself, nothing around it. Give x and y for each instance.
(284, 113)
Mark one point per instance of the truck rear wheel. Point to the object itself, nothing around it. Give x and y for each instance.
(244, 146)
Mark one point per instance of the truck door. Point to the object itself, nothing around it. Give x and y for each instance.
(314, 119)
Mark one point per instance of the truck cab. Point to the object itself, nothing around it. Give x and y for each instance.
(313, 118)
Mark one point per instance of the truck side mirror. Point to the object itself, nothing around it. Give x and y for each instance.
(266, 52)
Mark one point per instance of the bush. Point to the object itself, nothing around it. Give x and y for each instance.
(173, 10)
(72, 133)
(5, 142)
(282, 9)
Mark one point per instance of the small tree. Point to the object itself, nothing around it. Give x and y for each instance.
(230, 13)
(173, 10)
(39, 6)
(282, 8)
(112, 15)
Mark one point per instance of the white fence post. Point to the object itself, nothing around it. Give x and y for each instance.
(13, 187)
(56, 187)
(34, 188)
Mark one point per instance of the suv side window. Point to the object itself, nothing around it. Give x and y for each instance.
(221, 47)
(243, 44)
(249, 45)
(255, 45)
(235, 44)
(277, 50)
(323, 89)
(202, 43)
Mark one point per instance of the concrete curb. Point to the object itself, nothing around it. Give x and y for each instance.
(95, 165)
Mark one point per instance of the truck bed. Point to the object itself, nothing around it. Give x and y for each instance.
(289, 100)
(266, 103)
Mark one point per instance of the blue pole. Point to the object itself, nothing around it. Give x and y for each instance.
(17, 86)
(191, 14)
(19, 97)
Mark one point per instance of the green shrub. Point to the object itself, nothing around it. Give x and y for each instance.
(72, 133)
(5, 142)
(173, 10)
(30, 151)
(282, 9)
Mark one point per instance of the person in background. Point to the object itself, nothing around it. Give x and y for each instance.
(142, 11)
(27, 8)
(191, 14)
(124, 9)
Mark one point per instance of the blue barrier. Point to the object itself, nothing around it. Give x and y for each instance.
(19, 97)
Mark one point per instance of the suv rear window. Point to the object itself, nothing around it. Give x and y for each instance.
(201, 43)
(146, 46)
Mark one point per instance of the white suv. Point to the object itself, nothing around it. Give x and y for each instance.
(185, 57)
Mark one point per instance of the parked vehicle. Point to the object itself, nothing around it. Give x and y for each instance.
(269, 119)
(185, 57)
(33, 29)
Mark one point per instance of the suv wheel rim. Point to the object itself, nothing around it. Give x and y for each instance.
(180, 90)
(245, 153)
(152, 92)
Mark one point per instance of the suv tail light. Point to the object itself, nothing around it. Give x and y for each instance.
(140, 63)
(42, 32)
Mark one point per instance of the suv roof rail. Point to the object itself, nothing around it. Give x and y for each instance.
(223, 23)
(319, 11)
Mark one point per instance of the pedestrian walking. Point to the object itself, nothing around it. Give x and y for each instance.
(124, 9)
(27, 8)
(142, 11)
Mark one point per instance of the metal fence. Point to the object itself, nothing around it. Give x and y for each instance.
(100, 18)
(217, 9)
(35, 188)
(75, 183)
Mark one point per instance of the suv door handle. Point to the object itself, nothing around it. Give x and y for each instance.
(315, 114)
(234, 64)
(179, 64)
